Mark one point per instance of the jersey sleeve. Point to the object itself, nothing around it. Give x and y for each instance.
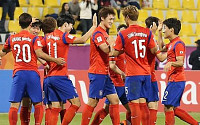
(151, 41)
(67, 38)
(43, 42)
(98, 39)
(7, 44)
(180, 49)
(119, 43)
(37, 43)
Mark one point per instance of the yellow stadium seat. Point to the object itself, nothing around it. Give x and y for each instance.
(34, 11)
(198, 4)
(64, 1)
(113, 30)
(37, 3)
(188, 4)
(52, 3)
(188, 16)
(198, 17)
(187, 41)
(18, 12)
(174, 4)
(47, 10)
(23, 3)
(187, 30)
(159, 4)
(76, 24)
(13, 26)
(172, 14)
(158, 14)
(197, 29)
(143, 14)
(116, 16)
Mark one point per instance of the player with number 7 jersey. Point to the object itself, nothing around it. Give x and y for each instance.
(26, 48)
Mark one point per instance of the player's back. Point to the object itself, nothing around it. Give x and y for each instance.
(57, 45)
(22, 46)
(136, 40)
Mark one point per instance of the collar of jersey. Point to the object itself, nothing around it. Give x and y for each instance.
(175, 39)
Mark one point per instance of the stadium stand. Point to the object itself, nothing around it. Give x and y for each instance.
(23, 3)
(188, 4)
(174, 6)
(13, 26)
(18, 11)
(35, 12)
(159, 4)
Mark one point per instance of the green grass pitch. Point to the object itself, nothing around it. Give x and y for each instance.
(107, 121)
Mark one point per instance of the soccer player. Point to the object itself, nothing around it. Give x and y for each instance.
(58, 86)
(119, 86)
(100, 82)
(153, 23)
(26, 47)
(26, 102)
(135, 41)
(175, 73)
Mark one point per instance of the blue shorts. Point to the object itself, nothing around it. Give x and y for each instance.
(45, 101)
(173, 93)
(26, 81)
(153, 92)
(137, 87)
(100, 86)
(121, 94)
(59, 88)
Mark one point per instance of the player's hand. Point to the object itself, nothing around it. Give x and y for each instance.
(167, 67)
(0, 60)
(46, 69)
(160, 25)
(123, 76)
(110, 40)
(95, 20)
(60, 61)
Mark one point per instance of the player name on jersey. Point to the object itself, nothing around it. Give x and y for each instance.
(137, 34)
(14, 39)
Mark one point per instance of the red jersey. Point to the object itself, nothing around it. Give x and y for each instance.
(57, 45)
(175, 48)
(23, 46)
(135, 40)
(152, 62)
(116, 78)
(99, 61)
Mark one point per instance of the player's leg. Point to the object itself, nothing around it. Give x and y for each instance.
(71, 111)
(17, 92)
(96, 91)
(55, 110)
(34, 91)
(113, 98)
(133, 83)
(171, 99)
(63, 110)
(153, 102)
(47, 114)
(24, 112)
(101, 114)
(145, 114)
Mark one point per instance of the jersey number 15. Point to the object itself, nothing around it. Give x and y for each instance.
(139, 47)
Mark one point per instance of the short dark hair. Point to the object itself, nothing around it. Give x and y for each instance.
(173, 23)
(131, 11)
(121, 26)
(149, 21)
(65, 18)
(25, 20)
(37, 23)
(105, 11)
(48, 25)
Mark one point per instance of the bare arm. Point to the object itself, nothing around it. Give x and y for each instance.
(86, 36)
(42, 55)
(178, 63)
(161, 57)
(115, 68)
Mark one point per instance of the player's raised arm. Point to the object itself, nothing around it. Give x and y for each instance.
(86, 36)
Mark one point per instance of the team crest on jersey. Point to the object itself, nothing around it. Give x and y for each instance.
(99, 39)
(70, 36)
(181, 52)
(39, 43)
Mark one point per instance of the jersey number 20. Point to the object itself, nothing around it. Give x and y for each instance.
(139, 47)
(25, 50)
